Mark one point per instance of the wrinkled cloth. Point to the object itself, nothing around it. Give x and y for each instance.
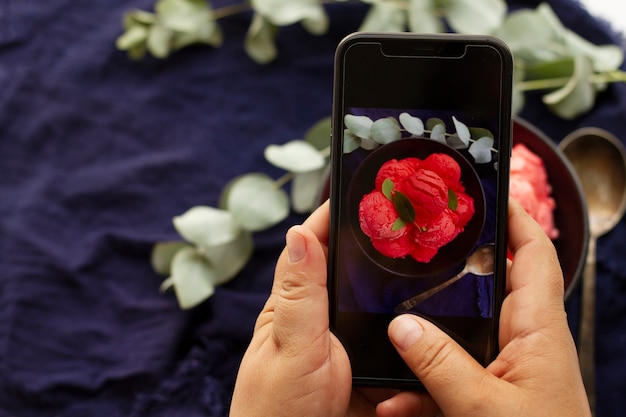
(99, 152)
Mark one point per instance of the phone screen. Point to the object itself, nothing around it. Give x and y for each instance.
(421, 144)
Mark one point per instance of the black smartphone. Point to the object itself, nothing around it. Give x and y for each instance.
(419, 191)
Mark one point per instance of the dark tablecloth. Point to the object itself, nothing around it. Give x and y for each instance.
(98, 152)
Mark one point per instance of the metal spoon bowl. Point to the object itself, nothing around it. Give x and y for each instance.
(599, 160)
(478, 263)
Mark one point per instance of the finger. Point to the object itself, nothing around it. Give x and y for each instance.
(535, 279)
(300, 296)
(447, 371)
(319, 221)
(408, 404)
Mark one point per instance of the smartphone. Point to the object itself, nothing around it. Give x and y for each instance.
(419, 191)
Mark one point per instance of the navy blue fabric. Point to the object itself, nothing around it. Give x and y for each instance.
(98, 152)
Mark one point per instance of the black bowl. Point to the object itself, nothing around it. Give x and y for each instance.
(448, 257)
(570, 214)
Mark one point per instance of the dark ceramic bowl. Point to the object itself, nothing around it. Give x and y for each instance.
(449, 256)
(570, 214)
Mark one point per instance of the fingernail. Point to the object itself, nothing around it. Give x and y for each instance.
(404, 331)
(296, 246)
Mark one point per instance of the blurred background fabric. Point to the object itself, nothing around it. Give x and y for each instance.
(99, 152)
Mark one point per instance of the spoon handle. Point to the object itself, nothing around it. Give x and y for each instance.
(586, 332)
(413, 301)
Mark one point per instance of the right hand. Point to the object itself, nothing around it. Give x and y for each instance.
(536, 372)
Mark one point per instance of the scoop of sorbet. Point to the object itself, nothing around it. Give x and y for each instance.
(428, 193)
(530, 187)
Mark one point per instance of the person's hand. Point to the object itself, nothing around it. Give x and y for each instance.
(294, 365)
(536, 372)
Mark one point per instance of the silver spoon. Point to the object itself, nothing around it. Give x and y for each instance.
(599, 160)
(479, 263)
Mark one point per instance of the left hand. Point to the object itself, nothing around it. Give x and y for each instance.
(294, 365)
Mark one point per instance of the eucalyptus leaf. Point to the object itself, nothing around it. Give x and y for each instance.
(138, 17)
(255, 202)
(438, 133)
(316, 24)
(163, 254)
(577, 96)
(287, 12)
(462, 131)
(207, 226)
(413, 125)
(369, 144)
(350, 141)
(260, 44)
(423, 17)
(434, 121)
(479, 132)
(359, 125)
(229, 259)
(384, 17)
(318, 135)
(475, 16)
(158, 42)
(193, 278)
(481, 150)
(305, 190)
(528, 33)
(182, 15)
(295, 156)
(386, 130)
(209, 34)
(135, 35)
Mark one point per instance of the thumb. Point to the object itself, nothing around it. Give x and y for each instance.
(447, 371)
(301, 298)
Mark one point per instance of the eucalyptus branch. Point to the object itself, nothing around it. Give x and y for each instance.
(231, 10)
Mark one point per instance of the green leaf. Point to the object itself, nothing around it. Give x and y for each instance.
(438, 133)
(158, 42)
(412, 124)
(260, 42)
(423, 17)
(560, 68)
(384, 18)
(255, 202)
(192, 277)
(386, 130)
(577, 96)
(403, 206)
(287, 12)
(295, 156)
(398, 224)
(229, 259)
(182, 15)
(319, 134)
(462, 132)
(135, 35)
(474, 16)
(434, 121)
(163, 254)
(453, 201)
(306, 189)
(209, 33)
(350, 141)
(481, 150)
(479, 132)
(138, 17)
(359, 125)
(387, 188)
(527, 33)
(207, 226)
